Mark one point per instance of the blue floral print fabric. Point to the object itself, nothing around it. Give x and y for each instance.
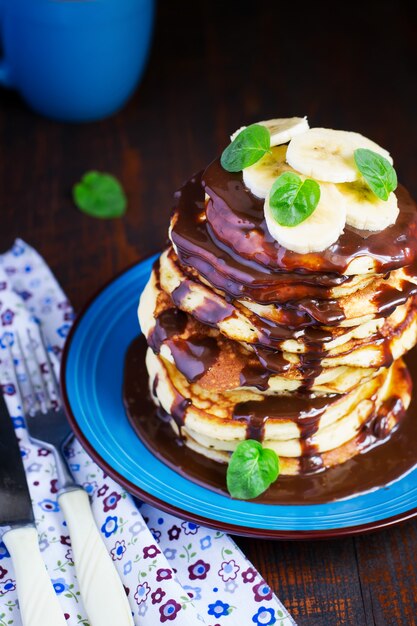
(174, 571)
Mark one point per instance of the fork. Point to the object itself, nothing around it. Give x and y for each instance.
(101, 589)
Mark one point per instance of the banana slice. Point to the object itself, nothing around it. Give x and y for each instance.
(326, 154)
(364, 210)
(260, 177)
(282, 130)
(322, 228)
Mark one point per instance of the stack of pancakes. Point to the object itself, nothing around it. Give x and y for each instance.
(250, 340)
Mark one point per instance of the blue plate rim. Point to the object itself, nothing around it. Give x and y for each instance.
(135, 490)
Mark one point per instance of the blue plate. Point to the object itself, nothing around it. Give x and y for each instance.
(91, 384)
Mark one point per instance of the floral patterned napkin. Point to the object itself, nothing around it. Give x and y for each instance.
(173, 571)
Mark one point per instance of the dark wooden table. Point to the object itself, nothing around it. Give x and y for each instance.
(213, 67)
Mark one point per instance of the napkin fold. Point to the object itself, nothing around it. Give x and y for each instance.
(173, 571)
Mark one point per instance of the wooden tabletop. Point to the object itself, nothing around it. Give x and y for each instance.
(214, 67)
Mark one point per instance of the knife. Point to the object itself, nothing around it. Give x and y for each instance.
(38, 602)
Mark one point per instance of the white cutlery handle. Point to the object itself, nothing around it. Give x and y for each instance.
(101, 589)
(38, 603)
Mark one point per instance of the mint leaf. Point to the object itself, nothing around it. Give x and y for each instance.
(293, 200)
(100, 195)
(377, 171)
(249, 146)
(251, 470)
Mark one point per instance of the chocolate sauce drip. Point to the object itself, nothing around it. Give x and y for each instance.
(387, 298)
(411, 270)
(304, 410)
(272, 360)
(326, 312)
(310, 370)
(169, 323)
(155, 385)
(181, 293)
(310, 365)
(377, 465)
(209, 312)
(194, 356)
(256, 428)
(178, 409)
(311, 462)
(316, 339)
(311, 459)
(179, 405)
(255, 376)
(377, 426)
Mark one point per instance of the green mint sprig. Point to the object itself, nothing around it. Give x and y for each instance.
(293, 200)
(251, 144)
(100, 195)
(251, 470)
(377, 171)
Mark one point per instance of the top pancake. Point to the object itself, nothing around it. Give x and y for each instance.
(225, 239)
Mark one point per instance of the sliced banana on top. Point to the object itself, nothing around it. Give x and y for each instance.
(319, 231)
(281, 129)
(365, 210)
(327, 155)
(260, 177)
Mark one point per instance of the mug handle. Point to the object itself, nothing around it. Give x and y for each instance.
(4, 67)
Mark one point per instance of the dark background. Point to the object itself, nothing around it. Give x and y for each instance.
(213, 67)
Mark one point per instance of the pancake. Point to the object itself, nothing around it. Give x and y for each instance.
(227, 365)
(294, 425)
(250, 322)
(248, 339)
(367, 346)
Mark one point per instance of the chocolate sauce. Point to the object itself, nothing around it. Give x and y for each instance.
(209, 312)
(387, 298)
(236, 218)
(236, 276)
(253, 375)
(194, 356)
(169, 323)
(377, 466)
(301, 315)
(377, 427)
(271, 360)
(326, 312)
(311, 461)
(304, 410)
(178, 409)
(302, 296)
(155, 385)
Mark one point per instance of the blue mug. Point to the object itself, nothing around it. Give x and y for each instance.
(74, 60)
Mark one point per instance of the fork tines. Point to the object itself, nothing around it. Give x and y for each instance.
(34, 373)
